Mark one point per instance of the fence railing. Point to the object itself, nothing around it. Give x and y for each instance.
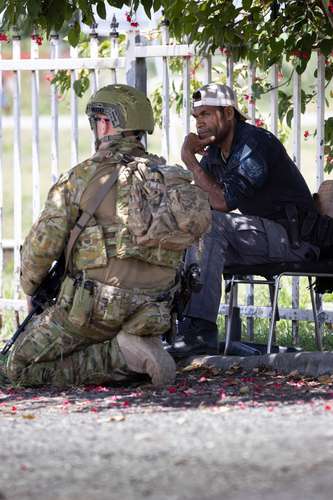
(132, 68)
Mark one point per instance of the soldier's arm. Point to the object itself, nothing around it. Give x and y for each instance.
(192, 145)
(47, 238)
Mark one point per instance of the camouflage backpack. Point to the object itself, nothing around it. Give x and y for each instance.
(166, 210)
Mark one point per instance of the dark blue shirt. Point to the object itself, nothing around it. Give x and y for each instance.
(258, 177)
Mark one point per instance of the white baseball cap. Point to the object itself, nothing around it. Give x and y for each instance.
(215, 94)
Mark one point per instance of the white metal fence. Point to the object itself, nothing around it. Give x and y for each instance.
(131, 68)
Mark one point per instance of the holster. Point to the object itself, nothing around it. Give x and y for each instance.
(293, 226)
(308, 228)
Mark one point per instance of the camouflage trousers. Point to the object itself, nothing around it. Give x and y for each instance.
(120, 337)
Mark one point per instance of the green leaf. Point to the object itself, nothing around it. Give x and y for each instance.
(101, 11)
(289, 117)
(301, 66)
(74, 35)
(34, 8)
(326, 46)
(329, 130)
(247, 4)
(147, 5)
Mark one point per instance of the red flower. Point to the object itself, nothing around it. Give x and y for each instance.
(37, 38)
(134, 24)
(49, 77)
(3, 37)
(172, 390)
(259, 123)
(306, 134)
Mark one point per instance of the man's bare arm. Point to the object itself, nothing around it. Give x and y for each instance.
(194, 145)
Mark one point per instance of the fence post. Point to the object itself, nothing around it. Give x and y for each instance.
(274, 100)
(17, 167)
(207, 68)
(320, 119)
(74, 114)
(34, 54)
(230, 70)
(54, 46)
(320, 139)
(93, 46)
(186, 94)
(1, 189)
(114, 45)
(136, 68)
(297, 160)
(252, 111)
(165, 95)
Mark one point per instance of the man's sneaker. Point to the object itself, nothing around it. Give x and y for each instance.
(196, 330)
(195, 336)
(181, 350)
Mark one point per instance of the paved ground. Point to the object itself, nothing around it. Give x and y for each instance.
(214, 434)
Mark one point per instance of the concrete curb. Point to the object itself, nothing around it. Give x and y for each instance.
(311, 364)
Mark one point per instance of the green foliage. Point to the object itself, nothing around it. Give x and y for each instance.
(51, 15)
(262, 31)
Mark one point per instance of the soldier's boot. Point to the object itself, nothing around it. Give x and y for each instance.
(146, 355)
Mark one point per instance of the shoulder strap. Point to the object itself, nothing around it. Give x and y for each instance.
(87, 214)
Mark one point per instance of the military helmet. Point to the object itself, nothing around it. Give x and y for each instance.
(127, 108)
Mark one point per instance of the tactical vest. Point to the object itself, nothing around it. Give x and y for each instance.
(159, 213)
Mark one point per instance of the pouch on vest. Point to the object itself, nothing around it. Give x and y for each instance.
(83, 302)
(90, 250)
(66, 294)
(153, 318)
(112, 305)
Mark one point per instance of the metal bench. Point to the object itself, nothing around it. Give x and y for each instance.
(272, 274)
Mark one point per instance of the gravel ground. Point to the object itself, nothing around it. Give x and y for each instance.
(214, 434)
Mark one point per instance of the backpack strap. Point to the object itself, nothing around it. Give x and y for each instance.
(87, 214)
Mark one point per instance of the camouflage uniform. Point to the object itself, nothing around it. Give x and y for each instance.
(102, 333)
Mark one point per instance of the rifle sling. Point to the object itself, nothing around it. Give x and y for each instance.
(85, 217)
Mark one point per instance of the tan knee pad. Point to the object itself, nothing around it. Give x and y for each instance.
(146, 355)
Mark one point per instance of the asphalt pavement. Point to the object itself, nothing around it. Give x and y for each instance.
(216, 434)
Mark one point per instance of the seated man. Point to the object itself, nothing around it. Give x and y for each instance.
(116, 295)
(246, 168)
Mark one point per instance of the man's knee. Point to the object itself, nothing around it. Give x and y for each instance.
(147, 355)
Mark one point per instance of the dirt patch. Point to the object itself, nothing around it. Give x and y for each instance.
(194, 388)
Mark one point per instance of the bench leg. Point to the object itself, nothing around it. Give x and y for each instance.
(319, 343)
(274, 311)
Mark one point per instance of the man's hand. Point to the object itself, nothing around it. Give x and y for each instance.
(194, 145)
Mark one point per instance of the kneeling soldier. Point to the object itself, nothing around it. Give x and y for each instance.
(116, 295)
